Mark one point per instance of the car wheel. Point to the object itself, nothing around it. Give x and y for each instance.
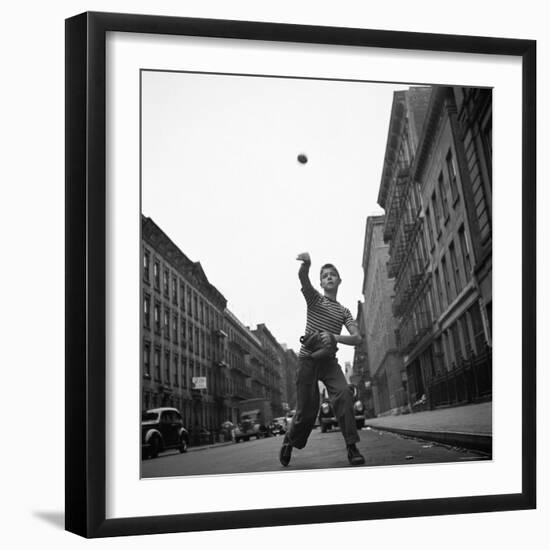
(237, 440)
(155, 447)
(183, 445)
(257, 436)
(324, 428)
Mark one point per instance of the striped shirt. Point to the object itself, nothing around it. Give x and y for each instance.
(324, 314)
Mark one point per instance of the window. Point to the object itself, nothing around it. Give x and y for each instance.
(157, 317)
(166, 326)
(175, 332)
(157, 364)
(443, 195)
(174, 291)
(437, 215)
(464, 250)
(438, 356)
(147, 359)
(451, 173)
(195, 307)
(184, 371)
(456, 344)
(167, 367)
(156, 275)
(147, 311)
(455, 268)
(182, 296)
(447, 280)
(202, 311)
(146, 265)
(477, 325)
(446, 351)
(183, 331)
(435, 297)
(197, 341)
(466, 335)
(176, 371)
(429, 228)
(165, 282)
(423, 252)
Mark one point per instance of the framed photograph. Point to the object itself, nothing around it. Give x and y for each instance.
(281, 305)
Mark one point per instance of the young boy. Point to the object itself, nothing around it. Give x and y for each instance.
(327, 316)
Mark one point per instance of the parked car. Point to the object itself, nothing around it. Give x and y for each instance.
(162, 429)
(359, 411)
(247, 428)
(278, 426)
(358, 407)
(327, 420)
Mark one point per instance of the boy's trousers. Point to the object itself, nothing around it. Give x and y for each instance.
(307, 400)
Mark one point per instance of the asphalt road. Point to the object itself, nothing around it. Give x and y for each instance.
(322, 451)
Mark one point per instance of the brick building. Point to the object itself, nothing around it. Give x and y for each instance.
(246, 373)
(183, 337)
(197, 356)
(273, 361)
(435, 191)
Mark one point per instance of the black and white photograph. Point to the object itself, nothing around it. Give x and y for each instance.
(274, 274)
(315, 273)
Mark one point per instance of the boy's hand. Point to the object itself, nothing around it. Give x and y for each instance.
(304, 257)
(327, 338)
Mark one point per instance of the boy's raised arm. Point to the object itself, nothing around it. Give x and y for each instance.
(303, 273)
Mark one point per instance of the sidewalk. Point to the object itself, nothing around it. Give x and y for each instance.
(468, 426)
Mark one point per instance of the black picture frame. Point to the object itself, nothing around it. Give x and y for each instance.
(86, 273)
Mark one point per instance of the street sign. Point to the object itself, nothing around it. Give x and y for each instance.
(199, 382)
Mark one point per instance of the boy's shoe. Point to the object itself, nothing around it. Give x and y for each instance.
(286, 452)
(354, 456)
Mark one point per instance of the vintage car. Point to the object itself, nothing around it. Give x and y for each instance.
(359, 410)
(278, 426)
(248, 428)
(162, 429)
(327, 420)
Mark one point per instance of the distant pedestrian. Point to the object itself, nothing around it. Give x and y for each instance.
(317, 361)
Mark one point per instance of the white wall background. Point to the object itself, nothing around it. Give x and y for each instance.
(32, 228)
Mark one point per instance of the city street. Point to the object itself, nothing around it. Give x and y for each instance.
(322, 451)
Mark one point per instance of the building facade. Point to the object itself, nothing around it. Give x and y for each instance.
(387, 371)
(361, 376)
(246, 375)
(435, 223)
(273, 361)
(197, 355)
(183, 337)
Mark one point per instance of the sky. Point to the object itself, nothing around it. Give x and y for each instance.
(220, 177)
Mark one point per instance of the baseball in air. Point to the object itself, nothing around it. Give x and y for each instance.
(302, 159)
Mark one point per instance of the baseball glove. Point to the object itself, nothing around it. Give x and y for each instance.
(317, 347)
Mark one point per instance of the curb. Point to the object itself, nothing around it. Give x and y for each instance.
(477, 442)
